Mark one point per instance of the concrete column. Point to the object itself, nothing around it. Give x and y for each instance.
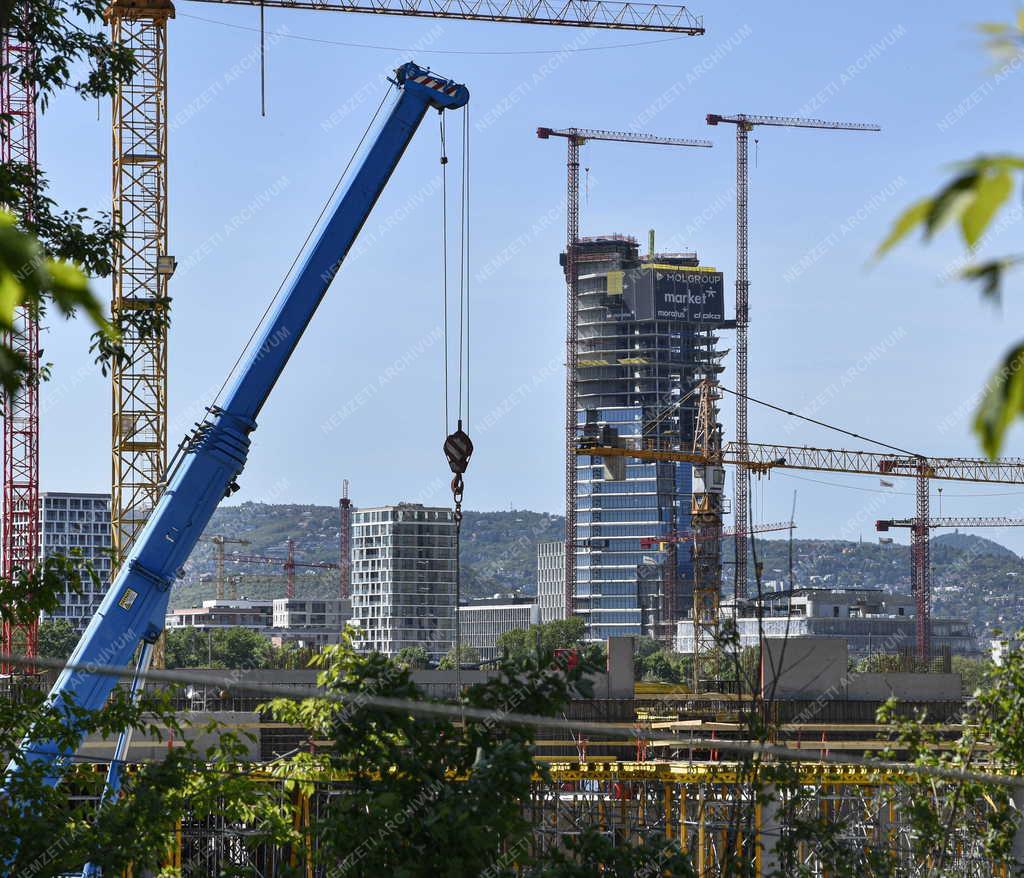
(769, 829)
(1017, 852)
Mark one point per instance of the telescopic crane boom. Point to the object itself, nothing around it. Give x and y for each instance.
(575, 138)
(744, 123)
(132, 613)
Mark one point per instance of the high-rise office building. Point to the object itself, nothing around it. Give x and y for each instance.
(403, 578)
(77, 523)
(645, 337)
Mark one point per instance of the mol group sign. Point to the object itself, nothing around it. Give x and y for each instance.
(691, 295)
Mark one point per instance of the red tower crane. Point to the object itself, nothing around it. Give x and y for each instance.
(920, 561)
(744, 124)
(288, 564)
(20, 550)
(345, 542)
(575, 138)
(762, 458)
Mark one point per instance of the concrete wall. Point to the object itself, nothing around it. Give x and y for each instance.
(803, 667)
(149, 748)
(906, 687)
(815, 667)
(620, 668)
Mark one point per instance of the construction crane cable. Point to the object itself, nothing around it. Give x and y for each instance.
(302, 249)
(822, 423)
(444, 260)
(464, 269)
(458, 447)
(263, 63)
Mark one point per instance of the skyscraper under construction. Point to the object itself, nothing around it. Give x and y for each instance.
(645, 337)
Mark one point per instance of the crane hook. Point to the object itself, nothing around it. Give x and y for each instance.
(458, 448)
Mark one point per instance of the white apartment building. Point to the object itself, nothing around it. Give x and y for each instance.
(70, 522)
(551, 580)
(403, 578)
(328, 613)
(482, 622)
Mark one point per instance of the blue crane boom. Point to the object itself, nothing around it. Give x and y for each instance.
(135, 606)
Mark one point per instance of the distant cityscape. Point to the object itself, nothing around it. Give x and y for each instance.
(403, 589)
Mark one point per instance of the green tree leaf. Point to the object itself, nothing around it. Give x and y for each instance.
(990, 192)
(1002, 401)
(905, 223)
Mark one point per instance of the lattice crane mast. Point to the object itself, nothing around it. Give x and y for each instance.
(142, 264)
(920, 562)
(761, 459)
(575, 138)
(744, 124)
(220, 541)
(288, 564)
(19, 552)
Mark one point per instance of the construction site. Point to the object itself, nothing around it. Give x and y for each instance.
(781, 752)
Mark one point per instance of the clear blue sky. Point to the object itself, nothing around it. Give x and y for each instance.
(889, 351)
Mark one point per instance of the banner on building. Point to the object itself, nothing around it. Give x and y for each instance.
(689, 295)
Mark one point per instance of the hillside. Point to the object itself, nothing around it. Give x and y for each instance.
(499, 550)
(973, 578)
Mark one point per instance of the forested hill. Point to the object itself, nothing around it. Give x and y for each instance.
(973, 578)
(499, 550)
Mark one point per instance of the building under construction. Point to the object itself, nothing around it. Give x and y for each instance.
(645, 337)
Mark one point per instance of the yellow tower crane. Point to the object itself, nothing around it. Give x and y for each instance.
(142, 264)
(710, 456)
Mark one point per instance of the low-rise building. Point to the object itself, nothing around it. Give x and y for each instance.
(311, 637)
(869, 620)
(482, 622)
(329, 613)
(255, 615)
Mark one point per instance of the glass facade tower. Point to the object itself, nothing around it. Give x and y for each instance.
(634, 368)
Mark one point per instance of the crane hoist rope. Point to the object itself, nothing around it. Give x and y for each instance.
(211, 460)
(458, 447)
(298, 255)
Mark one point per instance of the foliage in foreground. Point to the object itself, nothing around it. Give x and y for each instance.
(979, 189)
(427, 796)
(46, 252)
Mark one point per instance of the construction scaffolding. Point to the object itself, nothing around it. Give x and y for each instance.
(141, 269)
(724, 818)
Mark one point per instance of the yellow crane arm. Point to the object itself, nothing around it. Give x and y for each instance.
(763, 458)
